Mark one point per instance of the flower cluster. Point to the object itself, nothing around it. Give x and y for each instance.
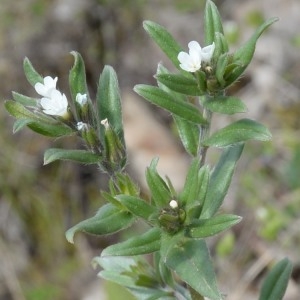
(191, 62)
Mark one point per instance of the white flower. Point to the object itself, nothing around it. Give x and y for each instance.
(191, 61)
(81, 99)
(46, 88)
(82, 126)
(56, 104)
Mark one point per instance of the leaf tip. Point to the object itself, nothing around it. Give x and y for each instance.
(70, 236)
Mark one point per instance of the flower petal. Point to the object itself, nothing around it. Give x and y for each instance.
(207, 52)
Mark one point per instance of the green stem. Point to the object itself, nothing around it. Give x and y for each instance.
(204, 133)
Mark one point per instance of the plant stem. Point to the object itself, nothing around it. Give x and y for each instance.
(204, 133)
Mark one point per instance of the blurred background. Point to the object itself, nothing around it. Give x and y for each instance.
(39, 203)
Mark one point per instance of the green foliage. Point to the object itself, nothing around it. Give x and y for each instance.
(179, 221)
(31, 74)
(237, 132)
(179, 108)
(276, 281)
(109, 219)
(190, 260)
(164, 40)
(80, 156)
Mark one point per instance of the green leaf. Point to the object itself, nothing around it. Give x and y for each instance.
(141, 244)
(221, 46)
(109, 102)
(20, 124)
(208, 227)
(220, 180)
(276, 282)
(164, 40)
(212, 22)
(135, 274)
(24, 100)
(191, 262)
(109, 219)
(240, 131)
(18, 111)
(180, 84)
(188, 131)
(37, 122)
(192, 184)
(160, 192)
(195, 189)
(81, 156)
(161, 98)
(51, 130)
(243, 56)
(225, 105)
(189, 134)
(137, 206)
(222, 63)
(31, 74)
(77, 77)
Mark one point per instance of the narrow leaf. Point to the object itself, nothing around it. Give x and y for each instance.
(188, 131)
(189, 134)
(161, 98)
(109, 219)
(240, 131)
(212, 22)
(191, 262)
(51, 130)
(276, 282)
(220, 180)
(181, 84)
(225, 105)
(243, 56)
(109, 101)
(209, 227)
(77, 76)
(137, 206)
(37, 122)
(125, 271)
(191, 187)
(141, 244)
(81, 156)
(20, 124)
(31, 74)
(160, 192)
(25, 100)
(164, 40)
(18, 111)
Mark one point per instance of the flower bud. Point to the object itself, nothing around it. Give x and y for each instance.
(172, 218)
(90, 137)
(115, 153)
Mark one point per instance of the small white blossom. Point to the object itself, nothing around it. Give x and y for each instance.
(46, 88)
(56, 104)
(105, 123)
(81, 99)
(173, 204)
(82, 126)
(191, 61)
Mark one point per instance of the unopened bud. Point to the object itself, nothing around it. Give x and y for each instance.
(115, 153)
(90, 137)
